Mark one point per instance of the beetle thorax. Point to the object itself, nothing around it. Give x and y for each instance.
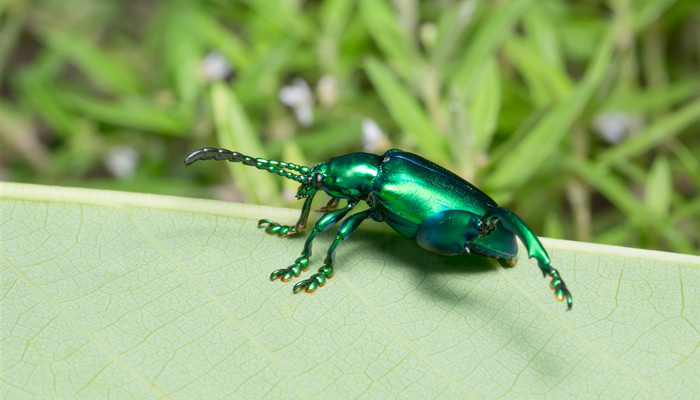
(351, 176)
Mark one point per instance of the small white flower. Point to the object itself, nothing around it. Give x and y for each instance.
(613, 126)
(373, 139)
(298, 96)
(122, 161)
(216, 66)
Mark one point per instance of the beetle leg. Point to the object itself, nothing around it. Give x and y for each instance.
(513, 223)
(326, 271)
(332, 205)
(273, 228)
(448, 232)
(302, 263)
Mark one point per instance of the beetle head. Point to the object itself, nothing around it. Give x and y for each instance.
(313, 181)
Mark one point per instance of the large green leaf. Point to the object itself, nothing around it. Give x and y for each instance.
(140, 296)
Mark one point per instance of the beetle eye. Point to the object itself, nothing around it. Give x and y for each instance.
(318, 179)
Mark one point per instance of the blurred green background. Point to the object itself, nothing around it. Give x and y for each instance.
(581, 116)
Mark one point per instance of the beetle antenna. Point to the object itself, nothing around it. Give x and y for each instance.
(280, 168)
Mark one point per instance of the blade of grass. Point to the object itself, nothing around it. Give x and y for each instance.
(617, 193)
(383, 24)
(135, 113)
(545, 138)
(215, 36)
(260, 83)
(689, 160)
(453, 24)
(653, 62)
(335, 15)
(406, 111)
(658, 188)
(486, 40)
(649, 11)
(540, 24)
(45, 99)
(613, 189)
(13, 20)
(475, 123)
(286, 17)
(235, 132)
(623, 232)
(99, 66)
(653, 99)
(330, 139)
(667, 127)
(183, 52)
(486, 106)
(689, 210)
(547, 84)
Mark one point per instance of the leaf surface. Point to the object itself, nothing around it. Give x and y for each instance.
(141, 296)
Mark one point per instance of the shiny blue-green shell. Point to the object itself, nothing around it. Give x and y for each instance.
(407, 189)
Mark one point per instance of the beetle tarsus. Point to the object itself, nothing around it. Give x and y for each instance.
(513, 223)
(316, 280)
(561, 292)
(273, 228)
(292, 271)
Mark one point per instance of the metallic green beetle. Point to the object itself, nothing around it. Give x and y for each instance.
(416, 197)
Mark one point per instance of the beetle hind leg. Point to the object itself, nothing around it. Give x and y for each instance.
(449, 232)
(326, 271)
(514, 224)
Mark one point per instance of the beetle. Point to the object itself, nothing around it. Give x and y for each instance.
(416, 197)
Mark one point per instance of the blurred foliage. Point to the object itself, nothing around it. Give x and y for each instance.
(583, 117)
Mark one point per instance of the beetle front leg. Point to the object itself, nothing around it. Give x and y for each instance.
(302, 263)
(326, 271)
(273, 228)
(513, 223)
